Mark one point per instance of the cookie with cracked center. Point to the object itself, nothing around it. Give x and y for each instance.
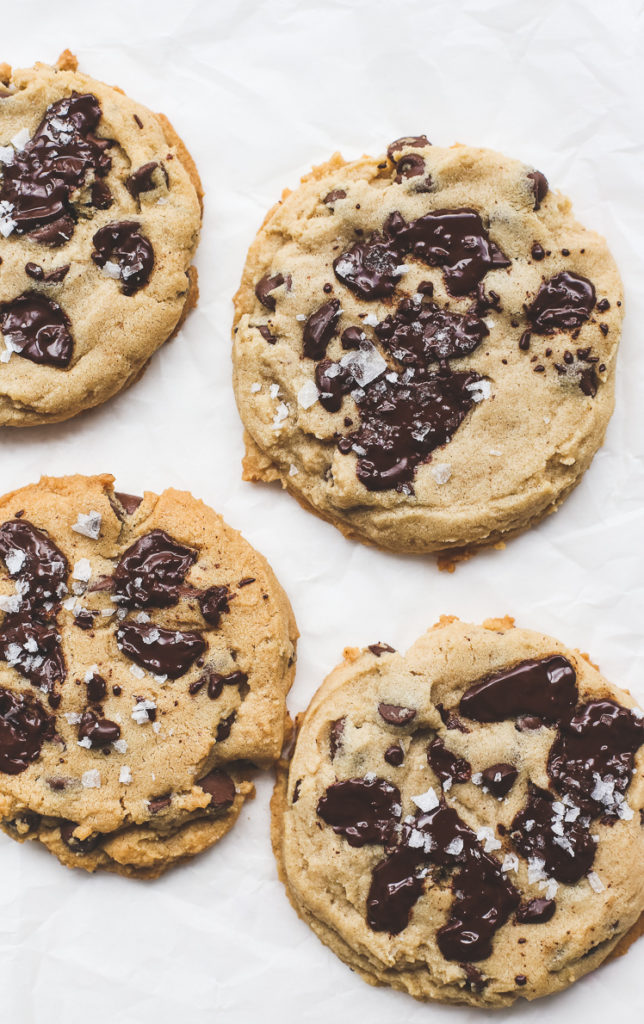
(146, 650)
(100, 214)
(465, 822)
(424, 346)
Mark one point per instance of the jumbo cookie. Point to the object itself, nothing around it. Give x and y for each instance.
(146, 650)
(465, 822)
(424, 346)
(100, 214)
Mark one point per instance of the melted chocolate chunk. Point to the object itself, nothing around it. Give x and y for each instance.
(411, 165)
(546, 688)
(379, 649)
(418, 334)
(544, 830)
(539, 187)
(123, 244)
(141, 180)
(100, 731)
(394, 891)
(39, 182)
(101, 195)
(216, 682)
(159, 803)
(402, 424)
(151, 571)
(166, 652)
(36, 272)
(319, 329)
(336, 734)
(451, 720)
(337, 193)
(33, 649)
(485, 301)
(592, 758)
(500, 778)
(84, 619)
(24, 727)
(483, 898)
(603, 305)
(224, 727)
(221, 788)
(266, 334)
(130, 502)
(395, 755)
(536, 911)
(33, 559)
(264, 288)
(67, 829)
(38, 329)
(213, 603)
(395, 715)
(563, 303)
(406, 142)
(96, 688)
(448, 767)
(454, 240)
(333, 381)
(369, 268)
(352, 337)
(362, 811)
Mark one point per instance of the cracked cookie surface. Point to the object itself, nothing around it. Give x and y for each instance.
(424, 346)
(465, 822)
(100, 214)
(146, 651)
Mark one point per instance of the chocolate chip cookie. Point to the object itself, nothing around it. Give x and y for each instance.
(465, 822)
(100, 213)
(424, 346)
(146, 651)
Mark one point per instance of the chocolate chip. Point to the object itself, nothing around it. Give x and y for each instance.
(319, 329)
(142, 179)
(536, 911)
(100, 731)
(447, 766)
(603, 305)
(538, 252)
(213, 603)
(80, 846)
(380, 648)
(130, 502)
(337, 193)
(266, 334)
(539, 188)
(351, 338)
(521, 979)
(406, 142)
(265, 286)
(336, 734)
(395, 755)
(159, 803)
(96, 688)
(221, 788)
(409, 166)
(101, 195)
(500, 778)
(84, 618)
(396, 715)
(224, 727)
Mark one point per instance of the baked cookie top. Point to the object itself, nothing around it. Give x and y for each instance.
(424, 345)
(464, 822)
(145, 655)
(99, 221)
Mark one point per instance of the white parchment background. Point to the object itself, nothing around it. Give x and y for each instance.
(261, 90)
